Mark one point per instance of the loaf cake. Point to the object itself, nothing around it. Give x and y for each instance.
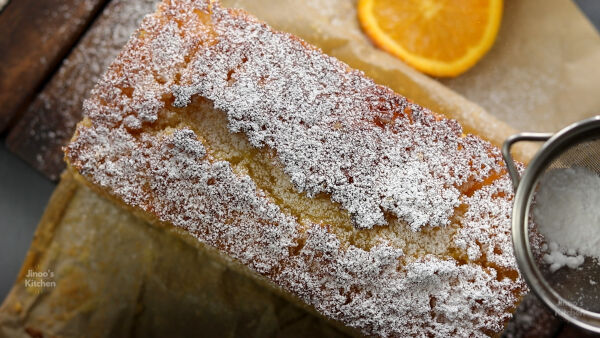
(375, 212)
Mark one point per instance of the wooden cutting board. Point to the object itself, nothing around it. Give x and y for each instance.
(34, 38)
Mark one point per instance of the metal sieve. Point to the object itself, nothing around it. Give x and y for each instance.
(568, 292)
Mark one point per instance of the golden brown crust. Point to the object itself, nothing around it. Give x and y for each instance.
(420, 243)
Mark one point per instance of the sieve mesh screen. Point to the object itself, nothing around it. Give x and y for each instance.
(585, 153)
(580, 286)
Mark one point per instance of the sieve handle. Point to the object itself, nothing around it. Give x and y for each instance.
(510, 163)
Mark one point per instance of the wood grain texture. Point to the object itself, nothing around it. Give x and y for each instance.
(34, 37)
(48, 123)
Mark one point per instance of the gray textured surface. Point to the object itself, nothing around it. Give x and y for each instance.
(24, 194)
(591, 8)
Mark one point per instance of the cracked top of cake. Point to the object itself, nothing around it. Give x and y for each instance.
(383, 162)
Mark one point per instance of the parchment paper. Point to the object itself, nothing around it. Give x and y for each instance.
(543, 72)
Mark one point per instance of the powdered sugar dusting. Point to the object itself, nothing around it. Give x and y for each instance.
(172, 176)
(169, 173)
(334, 130)
(485, 225)
(429, 296)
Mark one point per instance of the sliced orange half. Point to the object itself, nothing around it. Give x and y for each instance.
(438, 37)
